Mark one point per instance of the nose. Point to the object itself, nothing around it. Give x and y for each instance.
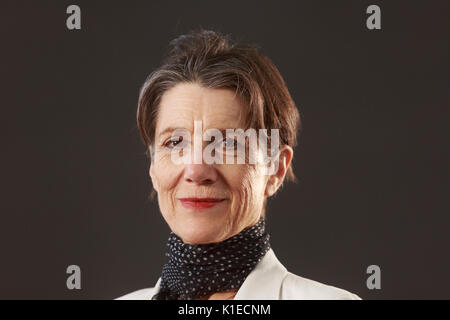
(200, 174)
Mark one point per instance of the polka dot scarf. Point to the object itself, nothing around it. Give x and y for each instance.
(195, 271)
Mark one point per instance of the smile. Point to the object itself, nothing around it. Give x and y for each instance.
(200, 203)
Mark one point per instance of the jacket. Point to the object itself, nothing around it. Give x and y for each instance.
(269, 280)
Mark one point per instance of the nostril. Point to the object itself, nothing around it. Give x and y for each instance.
(204, 181)
(199, 174)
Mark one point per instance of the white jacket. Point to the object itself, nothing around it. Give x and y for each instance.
(269, 280)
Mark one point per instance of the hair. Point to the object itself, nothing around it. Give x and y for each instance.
(212, 60)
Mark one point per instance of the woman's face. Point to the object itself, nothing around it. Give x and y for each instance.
(240, 189)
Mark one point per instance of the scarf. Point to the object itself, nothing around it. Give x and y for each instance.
(194, 271)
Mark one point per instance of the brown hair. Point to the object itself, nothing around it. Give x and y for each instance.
(214, 61)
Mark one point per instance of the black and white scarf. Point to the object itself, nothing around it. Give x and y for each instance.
(199, 270)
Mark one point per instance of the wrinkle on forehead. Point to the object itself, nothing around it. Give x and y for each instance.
(188, 102)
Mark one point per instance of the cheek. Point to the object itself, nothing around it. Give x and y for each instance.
(165, 175)
(245, 181)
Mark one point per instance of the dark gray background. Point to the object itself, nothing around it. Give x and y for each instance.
(372, 162)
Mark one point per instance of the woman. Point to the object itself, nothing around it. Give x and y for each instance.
(218, 247)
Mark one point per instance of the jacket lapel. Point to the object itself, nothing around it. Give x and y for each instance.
(264, 282)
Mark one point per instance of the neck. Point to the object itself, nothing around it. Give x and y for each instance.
(225, 295)
(212, 271)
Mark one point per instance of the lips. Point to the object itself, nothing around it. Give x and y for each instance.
(200, 203)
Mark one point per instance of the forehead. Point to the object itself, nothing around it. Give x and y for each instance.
(187, 102)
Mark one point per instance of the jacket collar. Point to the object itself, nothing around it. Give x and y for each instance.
(263, 283)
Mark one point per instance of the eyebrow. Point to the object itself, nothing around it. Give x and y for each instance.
(167, 130)
(171, 129)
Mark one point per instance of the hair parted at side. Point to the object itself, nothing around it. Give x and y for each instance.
(212, 60)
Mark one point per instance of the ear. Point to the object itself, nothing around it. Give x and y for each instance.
(276, 180)
(152, 170)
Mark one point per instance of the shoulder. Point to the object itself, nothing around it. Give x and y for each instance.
(143, 294)
(298, 288)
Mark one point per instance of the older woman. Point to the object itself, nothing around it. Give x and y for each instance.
(218, 247)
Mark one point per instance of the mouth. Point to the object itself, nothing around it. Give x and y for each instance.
(200, 203)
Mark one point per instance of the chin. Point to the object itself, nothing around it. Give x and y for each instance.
(199, 230)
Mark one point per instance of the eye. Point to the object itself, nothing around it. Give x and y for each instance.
(229, 144)
(173, 142)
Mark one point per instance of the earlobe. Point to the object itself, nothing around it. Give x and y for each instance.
(270, 186)
(152, 177)
(276, 180)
